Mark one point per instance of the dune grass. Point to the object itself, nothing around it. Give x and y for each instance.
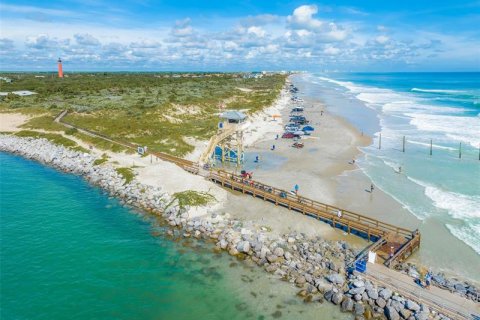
(101, 160)
(193, 198)
(126, 173)
(156, 110)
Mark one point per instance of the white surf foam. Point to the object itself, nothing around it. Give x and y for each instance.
(462, 129)
(436, 146)
(437, 90)
(458, 206)
(468, 234)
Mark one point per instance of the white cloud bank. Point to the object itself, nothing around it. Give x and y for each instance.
(301, 40)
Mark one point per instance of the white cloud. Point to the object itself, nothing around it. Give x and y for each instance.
(182, 28)
(86, 40)
(33, 10)
(331, 50)
(258, 31)
(382, 39)
(303, 18)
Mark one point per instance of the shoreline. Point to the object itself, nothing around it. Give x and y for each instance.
(391, 202)
(279, 246)
(312, 264)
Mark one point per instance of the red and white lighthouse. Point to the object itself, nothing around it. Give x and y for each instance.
(60, 70)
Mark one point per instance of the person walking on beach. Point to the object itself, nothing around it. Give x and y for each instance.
(276, 138)
(321, 112)
(371, 188)
(296, 187)
(273, 147)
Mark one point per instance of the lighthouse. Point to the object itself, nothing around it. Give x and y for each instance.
(60, 70)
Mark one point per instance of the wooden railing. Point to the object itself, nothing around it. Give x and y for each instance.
(405, 250)
(366, 227)
(348, 220)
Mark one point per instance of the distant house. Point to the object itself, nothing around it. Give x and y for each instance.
(233, 116)
(7, 80)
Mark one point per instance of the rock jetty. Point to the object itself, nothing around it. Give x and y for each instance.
(314, 265)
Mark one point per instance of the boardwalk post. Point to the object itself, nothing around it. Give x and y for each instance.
(403, 148)
(431, 146)
(460, 151)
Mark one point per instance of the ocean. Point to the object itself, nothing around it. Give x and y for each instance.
(437, 113)
(69, 251)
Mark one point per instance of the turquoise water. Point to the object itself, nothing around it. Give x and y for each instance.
(68, 251)
(438, 109)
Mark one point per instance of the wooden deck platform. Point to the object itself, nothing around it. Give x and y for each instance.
(403, 241)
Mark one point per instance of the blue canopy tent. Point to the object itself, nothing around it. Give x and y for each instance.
(308, 128)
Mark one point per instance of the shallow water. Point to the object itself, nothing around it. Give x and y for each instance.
(68, 251)
(441, 190)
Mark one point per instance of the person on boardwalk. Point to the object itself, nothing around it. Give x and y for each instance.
(428, 280)
(296, 188)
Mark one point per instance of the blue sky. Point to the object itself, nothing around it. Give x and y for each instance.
(213, 35)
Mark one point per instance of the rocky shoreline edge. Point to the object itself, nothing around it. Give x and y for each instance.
(316, 266)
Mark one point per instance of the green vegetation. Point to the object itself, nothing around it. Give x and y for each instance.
(157, 110)
(71, 131)
(126, 173)
(193, 198)
(53, 137)
(101, 160)
(101, 143)
(44, 122)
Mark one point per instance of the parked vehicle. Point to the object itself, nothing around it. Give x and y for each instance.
(288, 135)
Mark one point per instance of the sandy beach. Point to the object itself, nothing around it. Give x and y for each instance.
(324, 170)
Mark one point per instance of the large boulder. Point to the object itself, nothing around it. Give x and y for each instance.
(358, 283)
(358, 308)
(358, 290)
(243, 246)
(329, 294)
(405, 313)
(422, 315)
(385, 293)
(300, 281)
(336, 278)
(391, 313)
(347, 304)
(278, 252)
(372, 293)
(337, 298)
(381, 302)
(411, 305)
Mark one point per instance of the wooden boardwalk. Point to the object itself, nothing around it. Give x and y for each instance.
(440, 300)
(387, 236)
(383, 235)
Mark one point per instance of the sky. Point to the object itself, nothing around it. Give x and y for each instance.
(214, 35)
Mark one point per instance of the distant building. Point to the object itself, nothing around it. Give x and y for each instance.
(233, 116)
(60, 68)
(7, 80)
